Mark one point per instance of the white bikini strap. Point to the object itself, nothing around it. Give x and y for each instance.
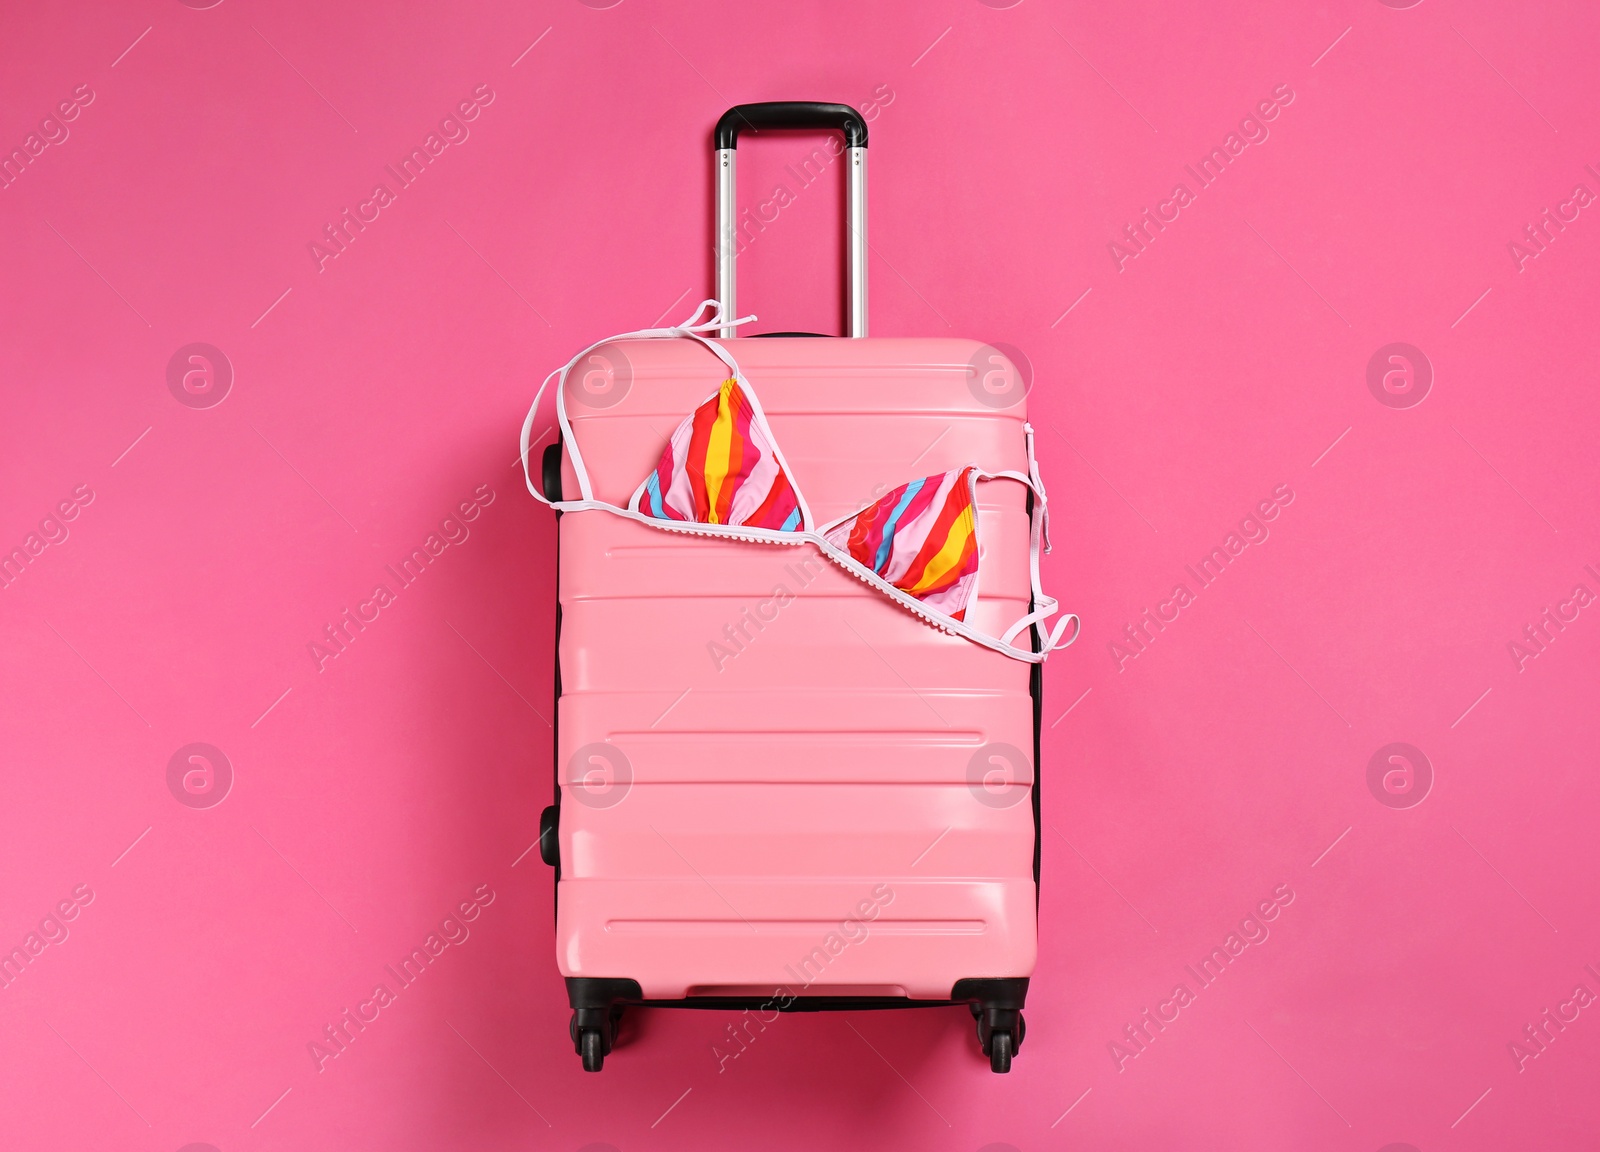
(527, 433)
(692, 327)
(1045, 604)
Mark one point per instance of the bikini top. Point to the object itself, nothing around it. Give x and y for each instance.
(723, 474)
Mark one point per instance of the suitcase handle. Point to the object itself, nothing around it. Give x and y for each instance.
(791, 114)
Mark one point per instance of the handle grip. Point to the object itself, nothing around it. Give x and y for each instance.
(792, 114)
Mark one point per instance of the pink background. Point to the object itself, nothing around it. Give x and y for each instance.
(1010, 147)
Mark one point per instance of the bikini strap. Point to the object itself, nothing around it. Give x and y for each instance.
(1045, 605)
(692, 327)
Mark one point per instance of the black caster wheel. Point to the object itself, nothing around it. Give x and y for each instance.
(593, 1032)
(1000, 1034)
(999, 1052)
(598, 1005)
(591, 1046)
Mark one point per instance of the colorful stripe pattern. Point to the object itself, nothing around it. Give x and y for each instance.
(720, 468)
(922, 538)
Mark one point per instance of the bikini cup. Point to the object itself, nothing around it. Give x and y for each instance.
(722, 473)
(721, 467)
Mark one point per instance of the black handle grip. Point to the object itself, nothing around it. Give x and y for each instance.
(791, 114)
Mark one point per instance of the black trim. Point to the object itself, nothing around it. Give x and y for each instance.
(1036, 690)
(769, 335)
(602, 991)
(981, 994)
(796, 1003)
(992, 991)
(791, 114)
(550, 465)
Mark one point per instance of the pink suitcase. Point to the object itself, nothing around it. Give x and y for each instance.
(776, 789)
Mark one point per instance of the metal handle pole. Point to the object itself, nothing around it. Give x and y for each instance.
(789, 114)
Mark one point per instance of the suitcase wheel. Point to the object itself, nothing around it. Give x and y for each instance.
(550, 467)
(1000, 1033)
(550, 836)
(999, 1052)
(591, 1046)
(593, 1032)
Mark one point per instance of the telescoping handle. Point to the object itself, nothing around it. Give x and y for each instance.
(791, 114)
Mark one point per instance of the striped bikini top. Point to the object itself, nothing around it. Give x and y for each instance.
(723, 474)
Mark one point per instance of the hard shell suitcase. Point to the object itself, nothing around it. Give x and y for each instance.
(775, 788)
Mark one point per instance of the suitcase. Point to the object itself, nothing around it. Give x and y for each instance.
(776, 790)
